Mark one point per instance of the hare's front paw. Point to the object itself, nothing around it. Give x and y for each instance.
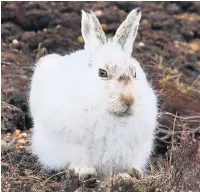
(85, 172)
(124, 176)
(135, 172)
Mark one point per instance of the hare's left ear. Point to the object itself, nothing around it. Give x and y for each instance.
(126, 33)
(91, 29)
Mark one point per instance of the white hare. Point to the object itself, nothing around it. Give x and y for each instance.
(94, 110)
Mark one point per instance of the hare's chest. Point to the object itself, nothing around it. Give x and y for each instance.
(111, 140)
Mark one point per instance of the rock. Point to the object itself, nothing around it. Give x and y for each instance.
(23, 135)
(115, 17)
(190, 29)
(10, 29)
(22, 141)
(196, 6)
(161, 21)
(7, 138)
(176, 36)
(128, 6)
(32, 39)
(188, 34)
(162, 25)
(19, 100)
(7, 141)
(12, 118)
(159, 17)
(16, 132)
(10, 11)
(71, 7)
(141, 44)
(158, 190)
(15, 41)
(98, 13)
(58, 26)
(36, 19)
(4, 143)
(194, 46)
(28, 35)
(184, 5)
(33, 5)
(20, 46)
(4, 169)
(70, 20)
(173, 8)
(145, 24)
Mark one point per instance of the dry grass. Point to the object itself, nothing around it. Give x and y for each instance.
(173, 76)
(179, 171)
(191, 125)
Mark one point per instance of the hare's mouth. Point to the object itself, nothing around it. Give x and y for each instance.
(119, 109)
(128, 112)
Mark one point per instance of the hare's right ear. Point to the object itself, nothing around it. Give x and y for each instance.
(127, 31)
(91, 29)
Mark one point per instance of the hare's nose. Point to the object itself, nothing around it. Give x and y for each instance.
(124, 80)
(127, 98)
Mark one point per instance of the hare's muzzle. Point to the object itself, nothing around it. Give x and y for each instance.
(127, 98)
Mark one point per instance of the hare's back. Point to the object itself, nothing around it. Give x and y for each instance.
(54, 70)
(55, 80)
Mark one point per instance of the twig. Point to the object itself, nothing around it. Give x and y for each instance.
(170, 157)
(198, 78)
(17, 166)
(14, 65)
(8, 63)
(5, 105)
(49, 178)
(36, 178)
(88, 180)
(180, 117)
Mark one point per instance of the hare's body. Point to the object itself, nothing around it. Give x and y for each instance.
(88, 123)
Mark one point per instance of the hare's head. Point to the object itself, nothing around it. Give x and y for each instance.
(111, 60)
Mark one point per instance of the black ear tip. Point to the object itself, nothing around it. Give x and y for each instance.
(138, 10)
(87, 11)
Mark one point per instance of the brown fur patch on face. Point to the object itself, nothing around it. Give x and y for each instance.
(125, 80)
(108, 70)
(107, 67)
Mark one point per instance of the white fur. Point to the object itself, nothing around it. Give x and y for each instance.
(73, 110)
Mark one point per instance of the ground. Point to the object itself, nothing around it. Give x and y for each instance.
(167, 45)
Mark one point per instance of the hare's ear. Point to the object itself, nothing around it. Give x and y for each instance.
(91, 29)
(126, 33)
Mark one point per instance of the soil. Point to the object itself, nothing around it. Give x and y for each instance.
(167, 46)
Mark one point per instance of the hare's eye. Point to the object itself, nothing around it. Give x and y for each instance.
(135, 75)
(103, 73)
